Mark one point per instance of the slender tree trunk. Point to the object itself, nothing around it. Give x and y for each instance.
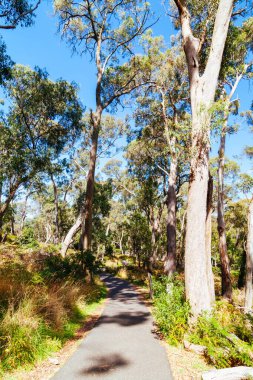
(85, 241)
(120, 242)
(153, 257)
(226, 282)
(249, 261)
(242, 273)
(170, 261)
(5, 206)
(48, 233)
(13, 232)
(23, 215)
(56, 210)
(1, 227)
(69, 237)
(155, 233)
(209, 209)
(180, 256)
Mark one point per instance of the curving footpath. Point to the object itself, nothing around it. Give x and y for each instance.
(121, 346)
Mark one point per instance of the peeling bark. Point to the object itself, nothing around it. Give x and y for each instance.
(226, 282)
(170, 261)
(85, 240)
(56, 210)
(69, 237)
(249, 261)
(209, 209)
(202, 92)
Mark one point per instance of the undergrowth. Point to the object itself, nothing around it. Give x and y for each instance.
(226, 332)
(171, 311)
(40, 310)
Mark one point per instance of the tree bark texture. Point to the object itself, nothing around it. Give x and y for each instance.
(249, 261)
(170, 261)
(226, 283)
(56, 211)
(69, 237)
(85, 241)
(202, 92)
(155, 233)
(209, 209)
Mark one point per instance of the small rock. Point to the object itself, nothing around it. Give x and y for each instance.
(54, 361)
(233, 373)
(201, 350)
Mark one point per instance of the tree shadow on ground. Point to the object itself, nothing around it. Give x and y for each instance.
(105, 363)
(125, 319)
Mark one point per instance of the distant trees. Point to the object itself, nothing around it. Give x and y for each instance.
(42, 118)
(106, 31)
(162, 120)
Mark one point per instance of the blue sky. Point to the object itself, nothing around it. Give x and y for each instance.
(41, 45)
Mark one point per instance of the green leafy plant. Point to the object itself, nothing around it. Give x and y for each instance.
(227, 335)
(171, 311)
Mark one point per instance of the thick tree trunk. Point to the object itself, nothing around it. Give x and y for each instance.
(69, 237)
(56, 211)
(224, 260)
(170, 261)
(202, 92)
(85, 241)
(196, 260)
(209, 208)
(249, 261)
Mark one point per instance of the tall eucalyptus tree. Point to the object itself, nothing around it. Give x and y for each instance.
(106, 30)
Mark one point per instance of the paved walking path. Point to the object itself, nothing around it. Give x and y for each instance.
(121, 346)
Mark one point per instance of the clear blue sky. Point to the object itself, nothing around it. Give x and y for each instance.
(41, 45)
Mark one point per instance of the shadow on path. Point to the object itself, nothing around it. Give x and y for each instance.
(105, 363)
(121, 346)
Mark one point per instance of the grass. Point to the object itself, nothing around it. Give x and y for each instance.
(40, 311)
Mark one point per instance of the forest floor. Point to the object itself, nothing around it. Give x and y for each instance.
(122, 344)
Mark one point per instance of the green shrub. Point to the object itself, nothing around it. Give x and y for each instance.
(171, 311)
(227, 334)
(27, 238)
(74, 265)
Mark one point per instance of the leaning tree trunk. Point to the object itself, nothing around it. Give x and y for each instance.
(56, 211)
(226, 282)
(71, 233)
(170, 261)
(249, 261)
(85, 240)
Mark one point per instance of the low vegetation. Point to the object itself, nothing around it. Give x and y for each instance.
(42, 305)
(226, 332)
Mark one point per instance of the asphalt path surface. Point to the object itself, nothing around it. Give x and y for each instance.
(121, 346)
